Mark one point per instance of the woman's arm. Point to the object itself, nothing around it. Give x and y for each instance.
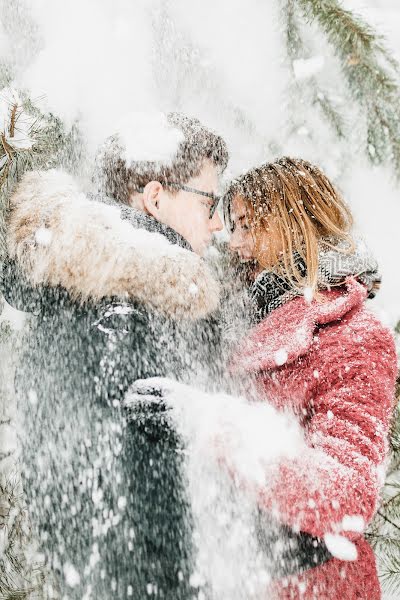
(340, 472)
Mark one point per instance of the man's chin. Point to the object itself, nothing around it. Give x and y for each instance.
(202, 247)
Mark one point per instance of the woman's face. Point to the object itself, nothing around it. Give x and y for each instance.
(262, 246)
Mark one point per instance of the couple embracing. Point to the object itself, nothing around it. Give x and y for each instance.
(118, 290)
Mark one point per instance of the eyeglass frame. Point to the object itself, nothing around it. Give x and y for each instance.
(185, 188)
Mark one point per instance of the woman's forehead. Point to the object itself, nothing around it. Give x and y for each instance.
(239, 206)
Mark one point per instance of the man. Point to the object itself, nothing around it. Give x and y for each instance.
(119, 293)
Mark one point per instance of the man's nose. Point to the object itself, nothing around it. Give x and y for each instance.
(216, 223)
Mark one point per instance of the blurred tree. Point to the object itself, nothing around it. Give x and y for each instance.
(28, 140)
(368, 101)
(21, 576)
(384, 533)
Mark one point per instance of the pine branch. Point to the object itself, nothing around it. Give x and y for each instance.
(390, 570)
(309, 90)
(47, 145)
(386, 506)
(371, 74)
(350, 35)
(387, 548)
(377, 538)
(331, 113)
(386, 518)
(18, 578)
(294, 42)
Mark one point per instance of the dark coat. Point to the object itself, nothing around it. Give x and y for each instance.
(112, 303)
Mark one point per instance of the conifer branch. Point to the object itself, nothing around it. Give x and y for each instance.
(371, 73)
(309, 89)
(30, 140)
(386, 518)
(331, 113)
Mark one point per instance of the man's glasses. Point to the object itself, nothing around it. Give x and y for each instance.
(185, 188)
(216, 199)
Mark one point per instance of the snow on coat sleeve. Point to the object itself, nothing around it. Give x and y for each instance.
(58, 236)
(338, 476)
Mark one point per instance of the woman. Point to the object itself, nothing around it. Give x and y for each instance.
(314, 349)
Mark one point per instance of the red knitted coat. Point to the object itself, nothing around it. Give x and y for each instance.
(334, 364)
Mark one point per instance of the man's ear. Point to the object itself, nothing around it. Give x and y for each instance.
(151, 198)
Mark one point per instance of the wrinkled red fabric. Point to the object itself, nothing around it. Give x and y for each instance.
(333, 364)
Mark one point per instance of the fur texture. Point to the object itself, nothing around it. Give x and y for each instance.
(60, 237)
(334, 364)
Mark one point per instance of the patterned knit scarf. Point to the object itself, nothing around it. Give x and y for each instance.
(270, 290)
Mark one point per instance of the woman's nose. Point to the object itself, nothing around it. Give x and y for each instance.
(234, 241)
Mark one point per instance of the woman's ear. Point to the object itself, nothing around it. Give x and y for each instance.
(151, 198)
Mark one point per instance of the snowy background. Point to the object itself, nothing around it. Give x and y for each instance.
(371, 192)
(117, 65)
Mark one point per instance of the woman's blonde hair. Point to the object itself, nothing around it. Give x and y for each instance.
(298, 198)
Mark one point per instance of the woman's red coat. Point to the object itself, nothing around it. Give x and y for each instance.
(333, 364)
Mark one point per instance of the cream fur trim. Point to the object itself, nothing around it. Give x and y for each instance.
(60, 237)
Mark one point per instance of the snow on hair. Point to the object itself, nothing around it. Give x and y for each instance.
(305, 207)
(119, 178)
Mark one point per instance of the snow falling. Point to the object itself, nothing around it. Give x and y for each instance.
(160, 56)
(118, 67)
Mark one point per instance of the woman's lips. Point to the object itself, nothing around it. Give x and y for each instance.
(245, 258)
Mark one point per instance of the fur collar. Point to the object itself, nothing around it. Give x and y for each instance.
(287, 333)
(59, 237)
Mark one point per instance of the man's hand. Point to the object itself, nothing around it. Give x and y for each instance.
(149, 405)
(153, 390)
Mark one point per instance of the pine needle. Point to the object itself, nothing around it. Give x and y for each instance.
(371, 73)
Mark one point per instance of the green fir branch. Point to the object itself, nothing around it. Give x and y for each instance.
(349, 34)
(386, 545)
(395, 434)
(308, 89)
(18, 578)
(52, 147)
(389, 521)
(371, 73)
(331, 113)
(390, 569)
(384, 532)
(294, 41)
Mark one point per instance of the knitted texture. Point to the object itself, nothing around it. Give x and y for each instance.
(270, 290)
(333, 364)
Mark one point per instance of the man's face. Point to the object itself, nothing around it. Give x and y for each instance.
(186, 212)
